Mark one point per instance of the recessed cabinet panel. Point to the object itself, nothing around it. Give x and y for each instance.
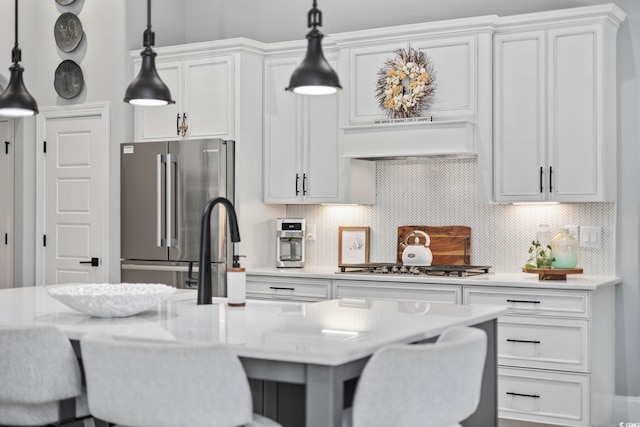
(322, 157)
(209, 97)
(573, 124)
(364, 65)
(281, 151)
(519, 128)
(160, 122)
(454, 61)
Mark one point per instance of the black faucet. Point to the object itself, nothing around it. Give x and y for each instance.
(204, 278)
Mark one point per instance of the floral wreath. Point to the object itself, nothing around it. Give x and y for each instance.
(406, 84)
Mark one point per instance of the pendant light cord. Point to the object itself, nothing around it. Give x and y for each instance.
(16, 54)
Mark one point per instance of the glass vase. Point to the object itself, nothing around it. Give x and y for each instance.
(564, 250)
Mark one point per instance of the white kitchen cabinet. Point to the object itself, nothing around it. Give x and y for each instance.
(555, 354)
(203, 89)
(289, 289)
(302, 164)
(555, 107)
(401, 291)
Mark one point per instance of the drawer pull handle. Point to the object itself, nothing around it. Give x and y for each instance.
(523, 301)
(279, 288)
(525, 341)
(535, 396)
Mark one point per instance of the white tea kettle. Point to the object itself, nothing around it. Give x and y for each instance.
(415, 253)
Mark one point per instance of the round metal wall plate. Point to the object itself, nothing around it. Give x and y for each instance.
(68, 79)
(64, 2)
(68, 31)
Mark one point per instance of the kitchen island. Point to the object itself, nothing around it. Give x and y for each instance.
(317, 345)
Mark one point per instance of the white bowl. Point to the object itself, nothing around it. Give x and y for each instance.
(111, 300)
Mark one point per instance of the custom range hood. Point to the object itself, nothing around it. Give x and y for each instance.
(410, 138)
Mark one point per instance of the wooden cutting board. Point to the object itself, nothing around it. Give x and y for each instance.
(450, 245)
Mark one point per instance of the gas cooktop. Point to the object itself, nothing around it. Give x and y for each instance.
(400, 269)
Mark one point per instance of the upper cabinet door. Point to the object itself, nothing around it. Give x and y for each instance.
(208, 97)
(455, 64)
(364, 64)
(282, 134)
(519, 117)
(576, 113)
(203, 89)
(159, 123)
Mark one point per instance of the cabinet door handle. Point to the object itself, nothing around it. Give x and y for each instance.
(297, 179)
(524, 341)
(535, 396)
(304, 184)
(541, 173)
(523, 301)
(178, 125)
(279, 288)
(550, 179)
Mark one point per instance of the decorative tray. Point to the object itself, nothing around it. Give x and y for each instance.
(552, 273)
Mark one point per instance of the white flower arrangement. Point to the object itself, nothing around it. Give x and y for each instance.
(406, 84)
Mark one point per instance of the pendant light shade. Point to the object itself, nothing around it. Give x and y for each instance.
(314, 75)
(16, 101)
(148, 89)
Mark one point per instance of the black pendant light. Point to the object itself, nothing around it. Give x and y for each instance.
(147, 88)
(16, 101)
(314, 76)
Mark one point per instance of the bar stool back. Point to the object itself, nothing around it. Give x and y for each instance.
(166, 384)
(40, 377)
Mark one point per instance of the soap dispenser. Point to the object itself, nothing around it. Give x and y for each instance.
(236, 284)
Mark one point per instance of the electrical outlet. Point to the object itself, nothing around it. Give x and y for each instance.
(590, 237)
(573, 230)
(311, 232)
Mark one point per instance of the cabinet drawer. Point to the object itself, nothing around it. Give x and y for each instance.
(543, 397)
(543, 302)
(288, 289)
(397, 291)
(544, 343)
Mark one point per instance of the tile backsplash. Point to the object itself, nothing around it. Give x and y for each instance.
(444, 192)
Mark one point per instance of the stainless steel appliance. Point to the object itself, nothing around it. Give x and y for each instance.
(290, 234)
(164, 187)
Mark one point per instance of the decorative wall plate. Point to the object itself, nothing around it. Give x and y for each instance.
(68, 31)
(68, 79)
(64, 2)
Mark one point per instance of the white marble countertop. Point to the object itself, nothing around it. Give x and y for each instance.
(515, 279)
(329, 332)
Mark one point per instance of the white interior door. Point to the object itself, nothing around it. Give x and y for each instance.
(6, 203)
(73, 197)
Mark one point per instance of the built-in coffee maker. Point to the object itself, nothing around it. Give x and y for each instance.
(290, 234)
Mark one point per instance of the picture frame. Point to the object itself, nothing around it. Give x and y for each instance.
(353, 245)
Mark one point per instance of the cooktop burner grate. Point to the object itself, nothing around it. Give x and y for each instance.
(400, 269)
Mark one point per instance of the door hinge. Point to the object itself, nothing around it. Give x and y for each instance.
(6, 147)
(6, 238)
(44, 240)
(44, 147)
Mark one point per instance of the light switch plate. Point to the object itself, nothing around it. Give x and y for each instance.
(590, 237)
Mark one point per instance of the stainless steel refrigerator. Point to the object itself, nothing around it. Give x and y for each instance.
(164, 187)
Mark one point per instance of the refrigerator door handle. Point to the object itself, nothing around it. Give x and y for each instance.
(159, 238)
(171, 160)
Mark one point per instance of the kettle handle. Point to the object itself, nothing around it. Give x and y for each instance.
(413, 233)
